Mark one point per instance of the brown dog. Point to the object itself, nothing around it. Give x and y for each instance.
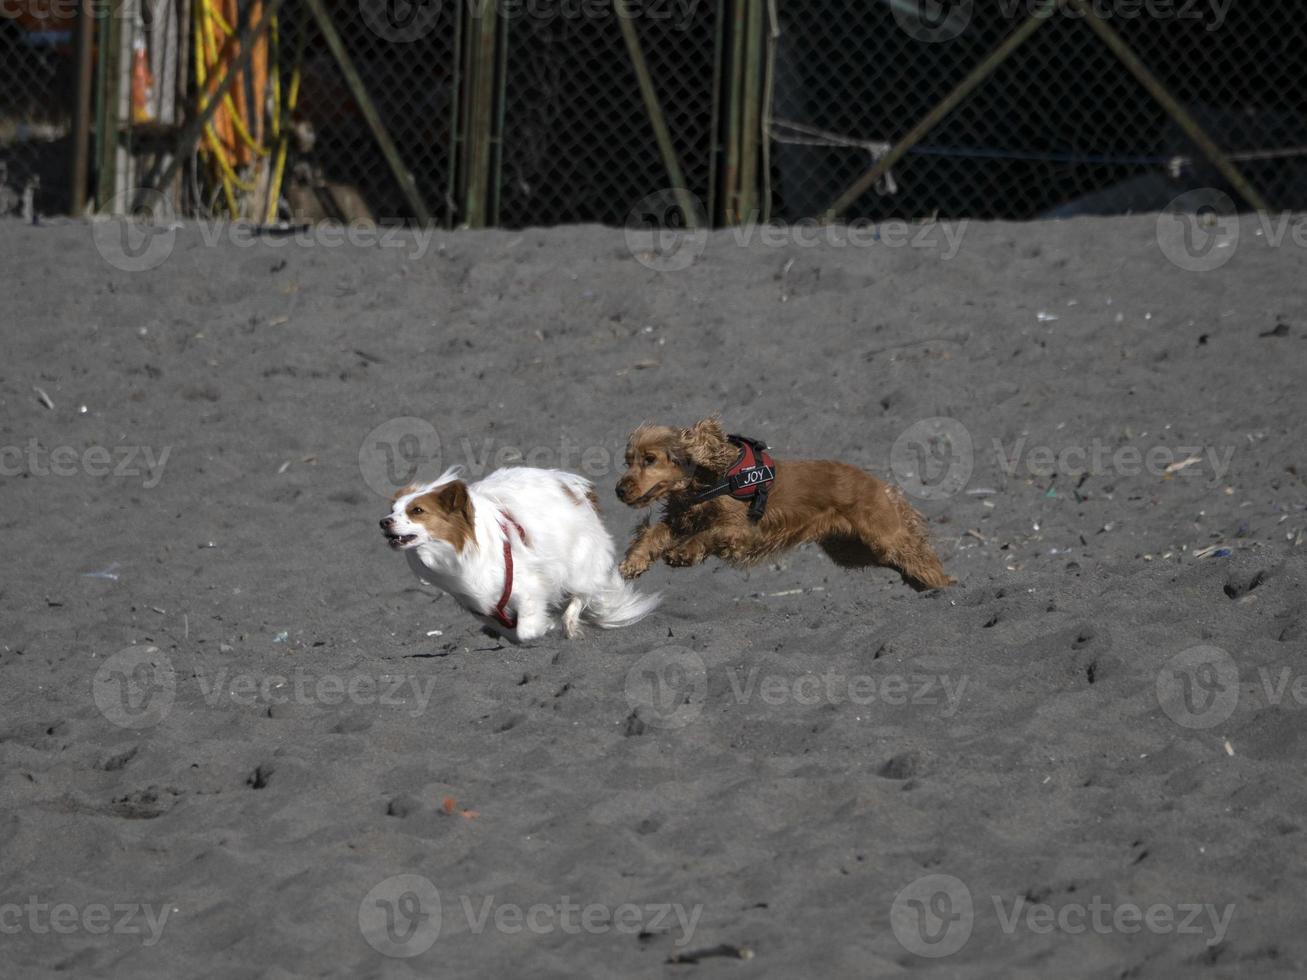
(855, 518)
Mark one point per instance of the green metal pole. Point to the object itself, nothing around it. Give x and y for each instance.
(734, 106)
(106, 133)
(751, 96)
(369, 110)
(655, 111)
(481, 65)
(497, 130)
(714, 138)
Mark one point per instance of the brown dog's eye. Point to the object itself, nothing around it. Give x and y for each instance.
(415, 511)
(649, 461)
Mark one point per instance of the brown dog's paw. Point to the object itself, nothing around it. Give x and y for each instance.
(682, 557)
(633, 568)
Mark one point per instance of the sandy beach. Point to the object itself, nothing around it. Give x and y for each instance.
(240, 740)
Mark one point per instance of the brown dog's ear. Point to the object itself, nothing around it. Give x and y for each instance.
(704, 444)
(453, 498)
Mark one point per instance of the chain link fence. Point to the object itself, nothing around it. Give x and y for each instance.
(540, 112)
(36, 62)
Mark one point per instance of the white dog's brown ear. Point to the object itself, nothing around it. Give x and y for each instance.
(453, 498)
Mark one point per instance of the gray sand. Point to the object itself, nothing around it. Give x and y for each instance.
(224, 720)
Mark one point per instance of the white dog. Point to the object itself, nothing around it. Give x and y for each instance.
(516, 548)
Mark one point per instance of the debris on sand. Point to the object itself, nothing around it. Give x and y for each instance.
(110, 573)
(724, 950)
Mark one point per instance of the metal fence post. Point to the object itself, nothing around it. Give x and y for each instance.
(936, 115)
(1168, 102)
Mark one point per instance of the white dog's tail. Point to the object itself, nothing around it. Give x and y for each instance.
(620, 605)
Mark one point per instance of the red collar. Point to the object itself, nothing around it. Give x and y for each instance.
(501, 611)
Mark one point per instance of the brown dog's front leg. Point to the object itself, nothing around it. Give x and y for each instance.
(692, 550)
(648, 545)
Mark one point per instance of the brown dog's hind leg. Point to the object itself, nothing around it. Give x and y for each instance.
(911, 552)
(922, 569)
(904, 547)
(849, 552)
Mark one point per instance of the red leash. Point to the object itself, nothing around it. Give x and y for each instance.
(501, 611)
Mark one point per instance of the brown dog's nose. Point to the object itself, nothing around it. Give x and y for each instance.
(621, 492)
(387, 523)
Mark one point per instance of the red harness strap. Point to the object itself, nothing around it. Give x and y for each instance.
(501, 611)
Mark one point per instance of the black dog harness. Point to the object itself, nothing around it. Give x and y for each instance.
(749, 478)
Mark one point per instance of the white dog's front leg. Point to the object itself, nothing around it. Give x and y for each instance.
(532, 621)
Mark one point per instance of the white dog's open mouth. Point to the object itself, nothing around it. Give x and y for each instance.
(400, 540)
